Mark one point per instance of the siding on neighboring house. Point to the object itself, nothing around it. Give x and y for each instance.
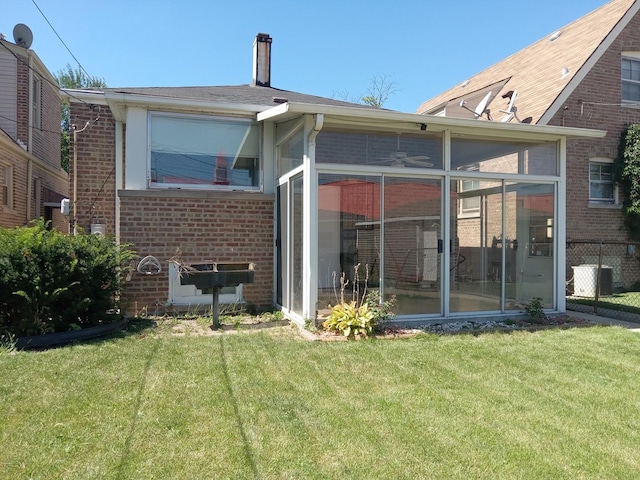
(8, 100)
(31, 146)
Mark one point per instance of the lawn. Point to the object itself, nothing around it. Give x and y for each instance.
(551, 404)
(625, 302)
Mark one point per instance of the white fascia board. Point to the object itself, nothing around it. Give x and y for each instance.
(588, 65)
(378, 117)
(117, 99)
(74, 95)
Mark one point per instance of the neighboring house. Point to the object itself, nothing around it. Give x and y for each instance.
(308, 188)
(586, 74)
(33, 182)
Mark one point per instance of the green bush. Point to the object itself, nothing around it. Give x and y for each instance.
(627, 172)
(52, 282)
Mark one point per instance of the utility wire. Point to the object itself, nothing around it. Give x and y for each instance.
(60, 38)
(31, 126)
(53, 84)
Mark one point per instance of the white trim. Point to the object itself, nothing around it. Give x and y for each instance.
(411, 121)
(588, 65)
(8, 183)
(119, 174)
(603, 201)
(560, 234)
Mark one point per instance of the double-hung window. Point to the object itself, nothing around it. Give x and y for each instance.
(6, 173)
(630, 79)
(36, 102)
(202, 152)
(602, 188)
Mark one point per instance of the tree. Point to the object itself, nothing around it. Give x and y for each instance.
(70, 78)
(379, 91)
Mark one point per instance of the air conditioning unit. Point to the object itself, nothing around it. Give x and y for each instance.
(585, 280)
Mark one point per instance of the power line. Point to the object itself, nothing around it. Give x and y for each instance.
(60, 38)
(53, 84)
(31, 126)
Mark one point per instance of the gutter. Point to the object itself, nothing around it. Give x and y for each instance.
(413, 121)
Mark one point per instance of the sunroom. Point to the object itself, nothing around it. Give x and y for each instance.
(452, 218)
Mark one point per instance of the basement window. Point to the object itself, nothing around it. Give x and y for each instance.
(185, 295)
(203, 152)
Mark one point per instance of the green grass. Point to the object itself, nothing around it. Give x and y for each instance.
(626, 302)
(552, 404)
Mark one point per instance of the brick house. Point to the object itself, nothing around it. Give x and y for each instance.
(33, 182)
(307, 188)
(583, 75)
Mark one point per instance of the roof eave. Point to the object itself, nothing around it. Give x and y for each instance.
(361, 116)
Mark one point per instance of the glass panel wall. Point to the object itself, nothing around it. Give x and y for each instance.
(291, 153)
(412, 233)
(500, 156)
(381, 150)
(476, 257)
(531, 215)
(348, 235)
(297, 239)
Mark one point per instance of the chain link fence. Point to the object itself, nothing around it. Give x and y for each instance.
(603, 278)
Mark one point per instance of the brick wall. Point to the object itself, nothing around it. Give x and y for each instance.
(23, 100)
(202, 227)
(596, 104)
(95, 165)
(216, 226)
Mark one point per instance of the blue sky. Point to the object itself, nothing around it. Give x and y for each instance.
(328, 48)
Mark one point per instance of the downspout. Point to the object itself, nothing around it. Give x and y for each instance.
(310, 292)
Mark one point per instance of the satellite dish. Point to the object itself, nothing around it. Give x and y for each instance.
(22, 35)
(480, 109)
(482, 106)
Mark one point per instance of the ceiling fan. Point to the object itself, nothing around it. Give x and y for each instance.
(401, 159)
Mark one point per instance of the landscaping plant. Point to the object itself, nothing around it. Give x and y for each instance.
(363, 313)
(52, 282)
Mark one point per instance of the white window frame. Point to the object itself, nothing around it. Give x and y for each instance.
(631, 57)
(469, 212)
(36, 103)
(601, 161)
(155, 185)
(183, 295)
(7, 187)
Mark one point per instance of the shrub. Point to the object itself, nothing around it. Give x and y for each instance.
(363, 314)
(627, 172)
(52, 282)
(535, 311)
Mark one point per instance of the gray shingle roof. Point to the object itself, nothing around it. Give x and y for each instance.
(233, 94)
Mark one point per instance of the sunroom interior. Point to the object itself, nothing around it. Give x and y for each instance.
(447, 217)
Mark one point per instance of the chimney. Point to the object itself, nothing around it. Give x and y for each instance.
(262, 60)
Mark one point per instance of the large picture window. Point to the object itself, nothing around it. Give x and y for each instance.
(193, 151)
